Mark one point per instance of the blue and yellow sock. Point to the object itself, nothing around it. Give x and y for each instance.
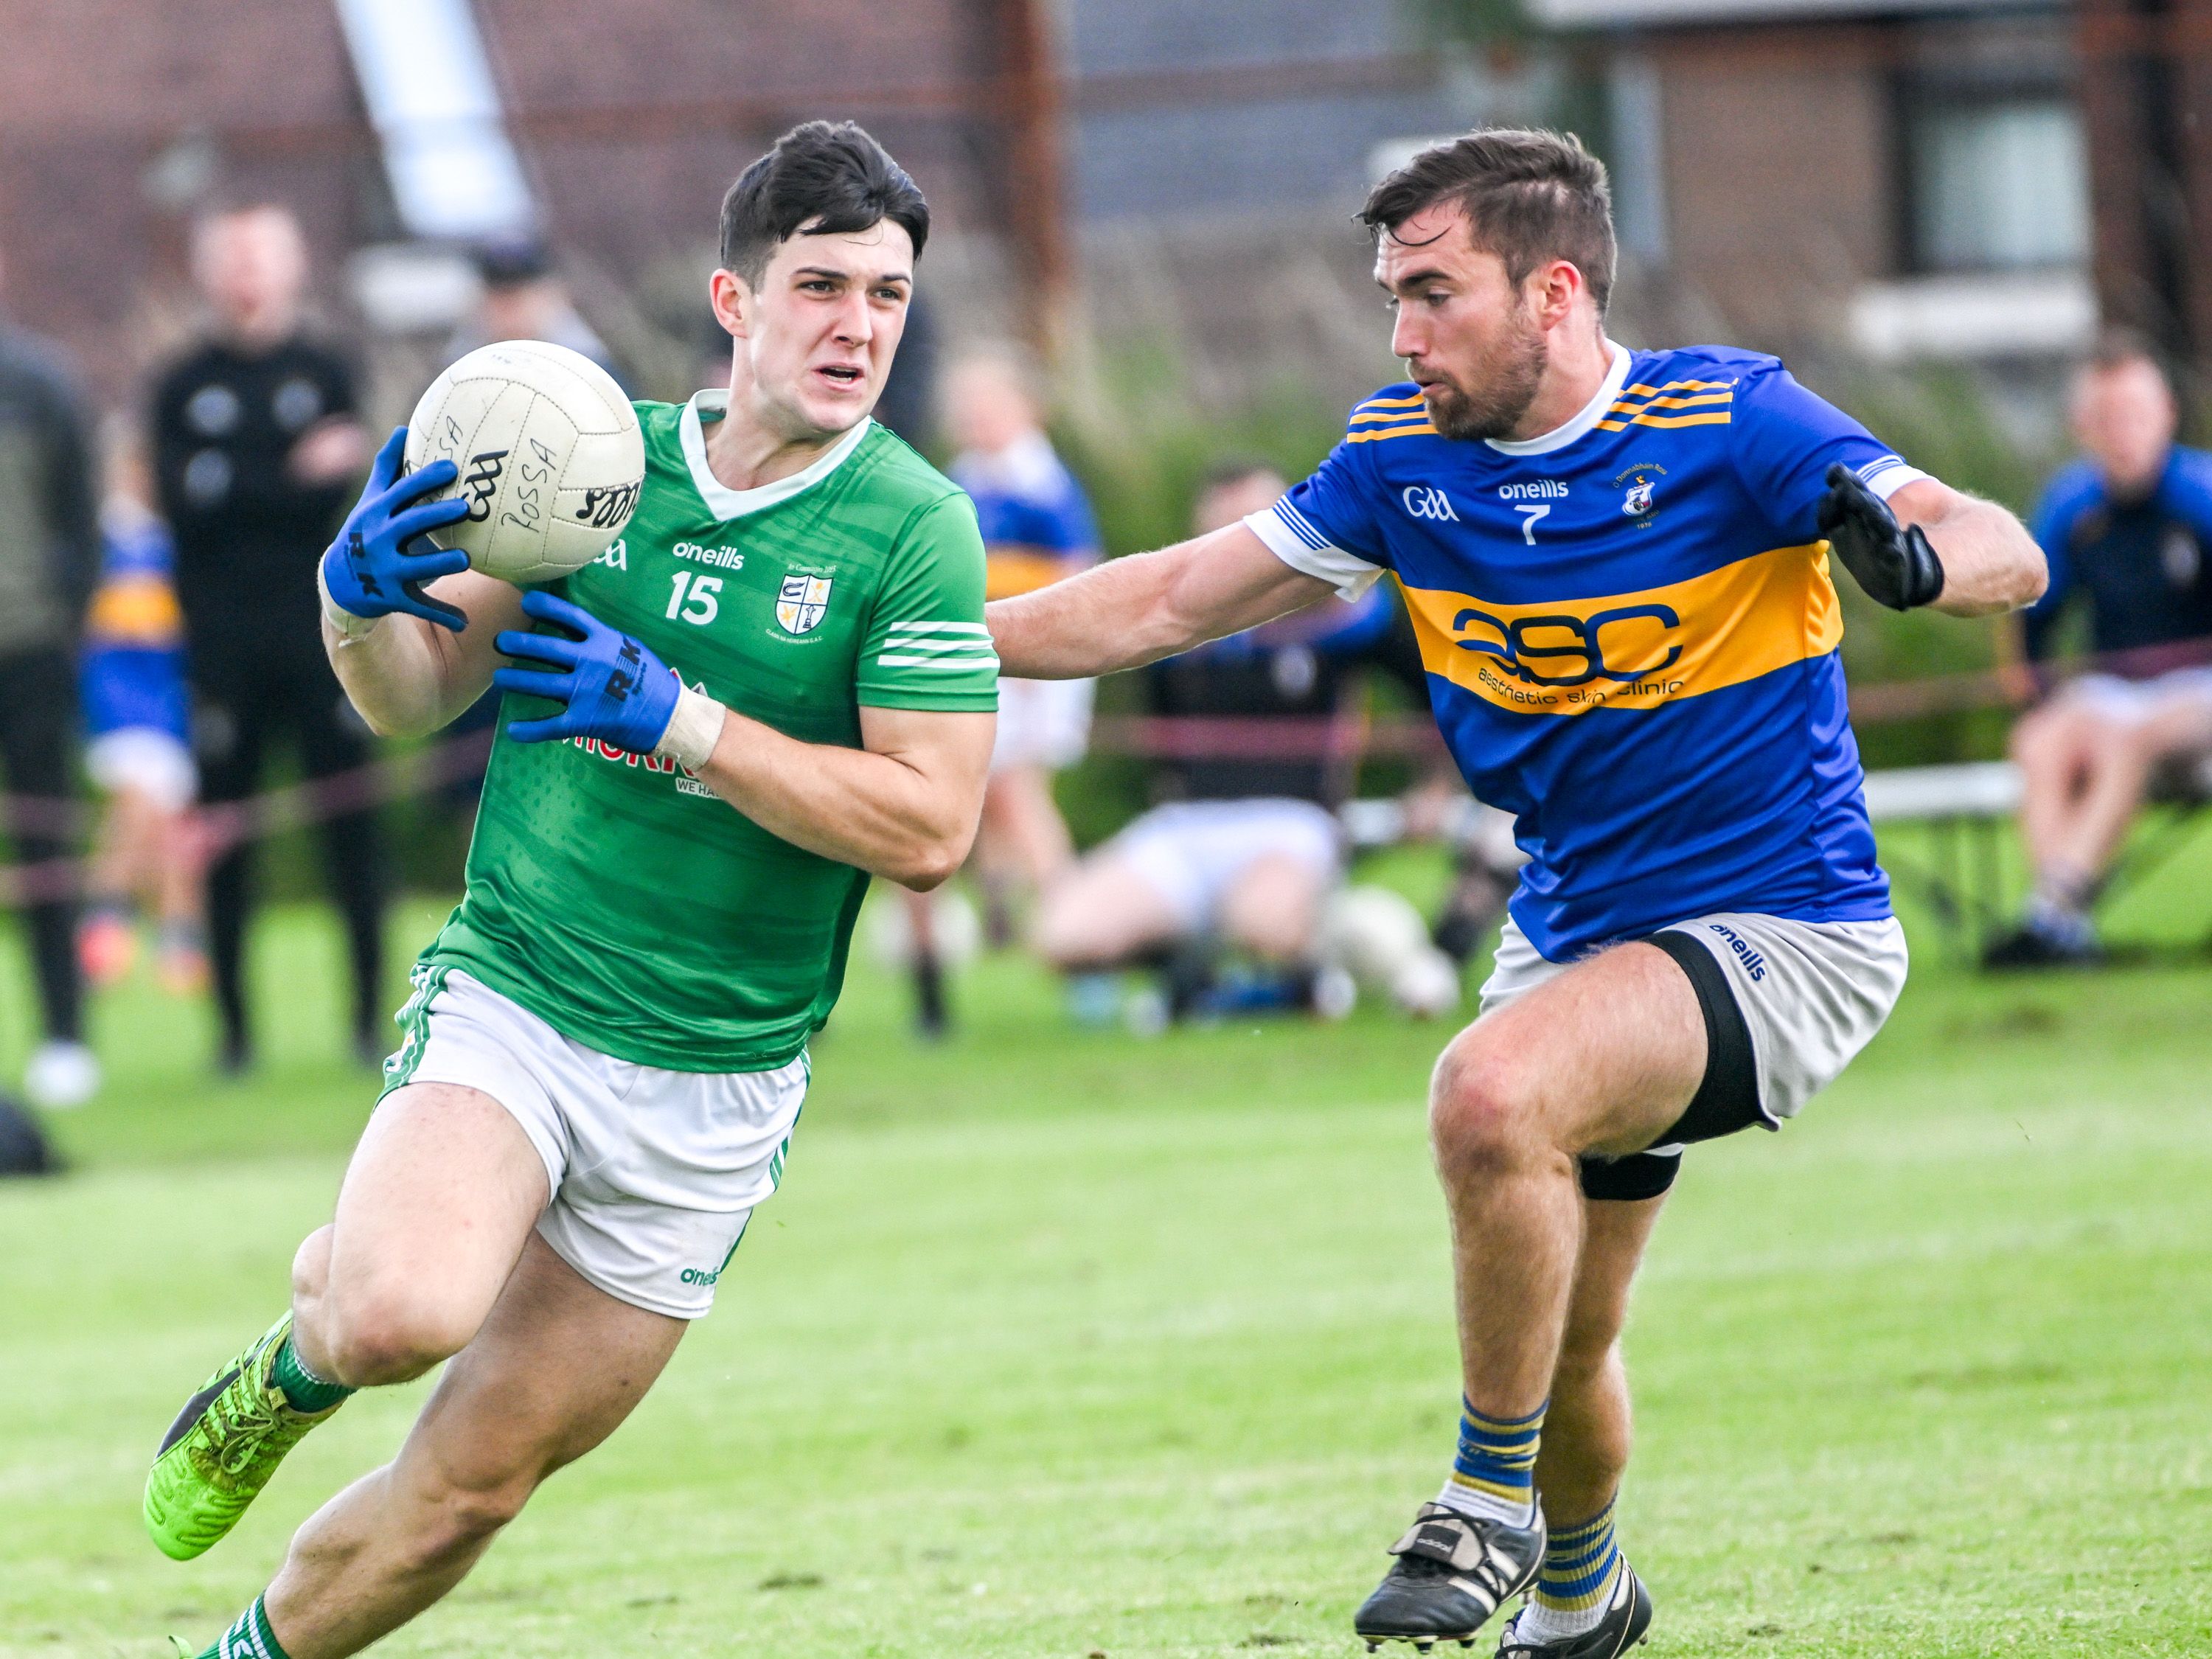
(1575, 1586)
(303, 1390)
(1495, 1473)
(249, 1638)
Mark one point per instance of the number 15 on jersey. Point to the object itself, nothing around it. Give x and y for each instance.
(698, 605)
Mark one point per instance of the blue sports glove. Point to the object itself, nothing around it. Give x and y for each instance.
(378, 563)
(615, 689)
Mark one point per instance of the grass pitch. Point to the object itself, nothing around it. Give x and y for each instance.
(1057, 1343)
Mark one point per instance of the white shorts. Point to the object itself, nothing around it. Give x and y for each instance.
(146, 759)
(1811, 993)
(1043, 723)
(651, 1175)
(1191, 852)
(2133, 703)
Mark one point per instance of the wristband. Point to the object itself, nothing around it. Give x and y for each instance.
(693, 730)
(348, 626)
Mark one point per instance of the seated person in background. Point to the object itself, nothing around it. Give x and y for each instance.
(1038, 528)
(2126, 531)
(1244, 851)
(138, 744)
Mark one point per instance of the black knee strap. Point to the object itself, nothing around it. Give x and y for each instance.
(1727, 1095)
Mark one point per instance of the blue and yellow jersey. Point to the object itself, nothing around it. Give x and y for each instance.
(1631, 635)
(1035, 520)
(132, 671)
(2140, 564)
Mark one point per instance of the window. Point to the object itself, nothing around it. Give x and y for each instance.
(1998, 184)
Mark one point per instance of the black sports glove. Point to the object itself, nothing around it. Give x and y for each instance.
(1895, 565)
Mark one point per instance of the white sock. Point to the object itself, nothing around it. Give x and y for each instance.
(1483, 1506)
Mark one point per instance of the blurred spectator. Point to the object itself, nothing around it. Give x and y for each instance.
(2126, 530)
(256, 448)
(1038, 528)
(1244, 851)
(525, 299)
(49, 561)
(138, 748)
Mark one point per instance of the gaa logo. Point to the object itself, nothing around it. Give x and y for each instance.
(1424, 503)
(482, 482)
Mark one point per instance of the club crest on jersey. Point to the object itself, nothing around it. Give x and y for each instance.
(1637, 484)
(802, 602)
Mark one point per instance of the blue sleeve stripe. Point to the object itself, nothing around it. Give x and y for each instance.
(1299, 526)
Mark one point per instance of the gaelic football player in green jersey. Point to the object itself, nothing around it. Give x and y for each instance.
(775, 685)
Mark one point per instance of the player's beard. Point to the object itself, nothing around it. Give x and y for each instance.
(1495, 409)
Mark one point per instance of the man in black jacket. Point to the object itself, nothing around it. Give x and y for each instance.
(49, 562)
(256, 446)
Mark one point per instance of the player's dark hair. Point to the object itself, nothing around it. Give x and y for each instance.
(2118, 346)
(821, 179)
(1529, 197)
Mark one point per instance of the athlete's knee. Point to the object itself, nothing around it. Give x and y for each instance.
(376, 1334)
(1071, 935)
(311, 1266)
(1485, 1107)
(2054, 737)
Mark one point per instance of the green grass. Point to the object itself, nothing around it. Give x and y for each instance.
(1055, 1343)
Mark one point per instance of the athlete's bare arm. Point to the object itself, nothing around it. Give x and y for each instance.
(1131, 611)
(406, 676)
(1990, 564)
(903, 806)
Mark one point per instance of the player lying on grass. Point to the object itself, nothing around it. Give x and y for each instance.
(1619, 564)
(605, 1051)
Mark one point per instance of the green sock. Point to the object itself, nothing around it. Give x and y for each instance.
(249, 1638)
(303, 1390)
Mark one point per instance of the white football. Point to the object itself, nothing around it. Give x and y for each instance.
(550, 457)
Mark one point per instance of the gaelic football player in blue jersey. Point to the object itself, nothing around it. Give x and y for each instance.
(1618, 563)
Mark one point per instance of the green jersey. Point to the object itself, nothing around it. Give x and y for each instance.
(613, 894)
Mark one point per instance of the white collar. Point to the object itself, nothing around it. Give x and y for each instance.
(1560, 437)
(724, 502)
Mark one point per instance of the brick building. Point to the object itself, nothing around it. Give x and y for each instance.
(1893, 179)
(117, 119)
(623, 124)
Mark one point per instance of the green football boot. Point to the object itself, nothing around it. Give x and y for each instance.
(221, 1450)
